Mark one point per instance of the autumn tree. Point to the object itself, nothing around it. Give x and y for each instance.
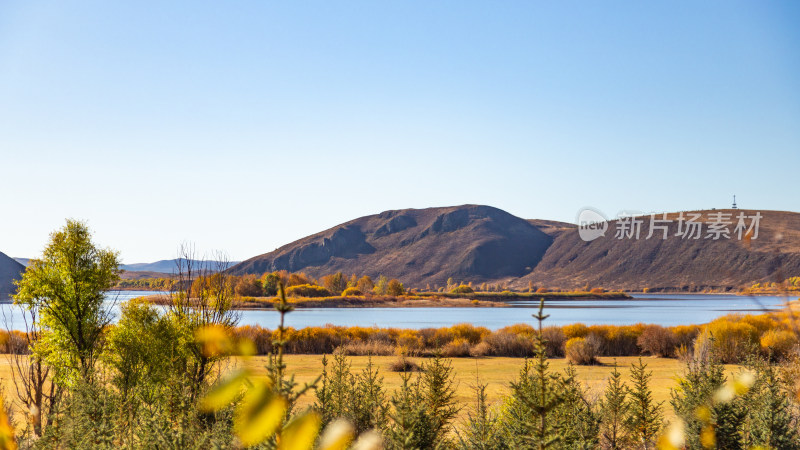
(381, 285)
(365, 284)
(67, 286)
(395, 287)
(296, 279)
(207, 302)
(248, 286)
(31, 376)
(269, 283)
(336, 283)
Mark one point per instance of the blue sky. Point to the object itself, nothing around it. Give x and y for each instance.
(243, 126)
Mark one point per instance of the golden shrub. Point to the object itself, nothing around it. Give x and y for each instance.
(657, 341)
(580, 351)
(462, 289)
(456, 348)
(575, 330)
(307, 290)
(778, 343)
(351, 292)
(731, 341)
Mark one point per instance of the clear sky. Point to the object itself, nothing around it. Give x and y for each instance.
(242, 126)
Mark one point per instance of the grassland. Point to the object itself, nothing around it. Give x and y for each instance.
(497, 372)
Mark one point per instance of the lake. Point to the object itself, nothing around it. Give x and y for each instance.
(661, 309)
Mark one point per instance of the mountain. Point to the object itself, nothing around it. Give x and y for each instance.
(10, 270)
(168, 266)
(23, 261)
(418, 246)
(674, 263)
(482, 243)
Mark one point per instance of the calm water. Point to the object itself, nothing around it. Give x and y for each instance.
(662, 309)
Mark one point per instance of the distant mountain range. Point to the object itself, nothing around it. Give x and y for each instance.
(131, 271)
(163, 266)
(485, 244)
(169, 265)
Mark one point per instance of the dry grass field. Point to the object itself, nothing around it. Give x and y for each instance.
(497, 372)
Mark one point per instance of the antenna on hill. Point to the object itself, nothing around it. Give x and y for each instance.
(734, 203)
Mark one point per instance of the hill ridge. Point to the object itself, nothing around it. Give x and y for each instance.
(482, 243)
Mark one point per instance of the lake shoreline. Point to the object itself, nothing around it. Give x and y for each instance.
(425, 300)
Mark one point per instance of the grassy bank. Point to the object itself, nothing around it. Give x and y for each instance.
(415, 300)
(510, 295)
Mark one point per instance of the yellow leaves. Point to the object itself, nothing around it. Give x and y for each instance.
(738, 386)
(674, 438)
(7, 441)
(703, 413)
(260, 414)
(225, 391)
(337, 435)
(300, 433)
(708, 438)
(370, 440)
(246, 348)
(743, 382)
(214, 340)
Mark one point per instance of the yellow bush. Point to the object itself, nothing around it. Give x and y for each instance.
(732, 340)
(455, 348)
(575, 330)
(351, 292)
(778, 343)
(307, 290)
(521, 329)
(463, 289)
(580, 351)
(469, 332)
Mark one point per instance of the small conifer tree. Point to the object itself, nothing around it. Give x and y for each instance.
(645, 416)
(576, 412)
(529, 420)
(480, 430)
(772, 423)
(708, 422)
(614, 412)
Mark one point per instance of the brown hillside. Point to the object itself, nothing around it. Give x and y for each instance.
(418, 246)
(481, 243)
(673, 263)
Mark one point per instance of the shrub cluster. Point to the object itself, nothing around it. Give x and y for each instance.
(307, 290)
(733, 338)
